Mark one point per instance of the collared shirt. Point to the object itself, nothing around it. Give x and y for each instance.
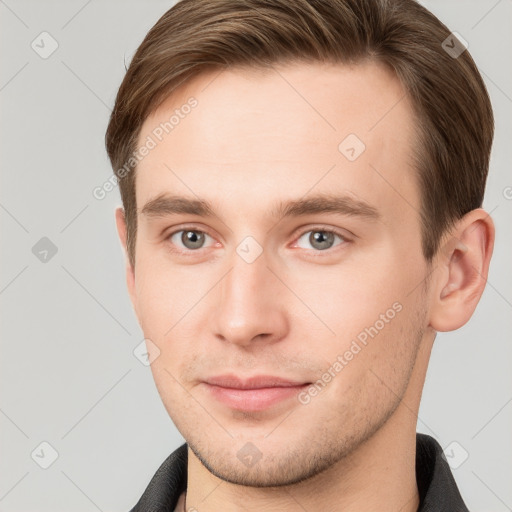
(437, 489)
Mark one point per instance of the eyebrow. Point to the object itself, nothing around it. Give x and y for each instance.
(164, 205)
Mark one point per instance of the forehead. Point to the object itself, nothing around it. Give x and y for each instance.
(282, 132)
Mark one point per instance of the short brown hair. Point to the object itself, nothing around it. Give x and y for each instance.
(451, 103)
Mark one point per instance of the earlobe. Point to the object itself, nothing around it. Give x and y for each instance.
(462, 274)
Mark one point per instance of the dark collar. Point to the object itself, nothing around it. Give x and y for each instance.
(436, 485)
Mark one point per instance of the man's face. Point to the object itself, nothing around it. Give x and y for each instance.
(247, 292)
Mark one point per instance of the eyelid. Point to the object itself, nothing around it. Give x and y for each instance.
(344, 233)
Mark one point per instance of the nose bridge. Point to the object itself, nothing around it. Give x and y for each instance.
(246, 286)
(248, 304)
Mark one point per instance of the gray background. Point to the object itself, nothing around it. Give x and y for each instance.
(68, 374)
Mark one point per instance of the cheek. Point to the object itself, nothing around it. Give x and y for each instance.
(375, 318)
(351, 298)
(372, 371)
(162, 297)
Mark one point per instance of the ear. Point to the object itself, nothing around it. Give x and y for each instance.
(130, 271)
(463, 263)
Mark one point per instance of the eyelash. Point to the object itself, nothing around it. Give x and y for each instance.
(322, 229)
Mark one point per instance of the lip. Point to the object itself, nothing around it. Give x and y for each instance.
(253, 394)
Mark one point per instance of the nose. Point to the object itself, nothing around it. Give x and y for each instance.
(251, 304)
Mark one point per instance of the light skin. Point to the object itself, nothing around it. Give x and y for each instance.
(256, 139)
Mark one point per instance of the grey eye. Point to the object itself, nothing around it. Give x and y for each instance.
(320, 239)
(190, 239)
